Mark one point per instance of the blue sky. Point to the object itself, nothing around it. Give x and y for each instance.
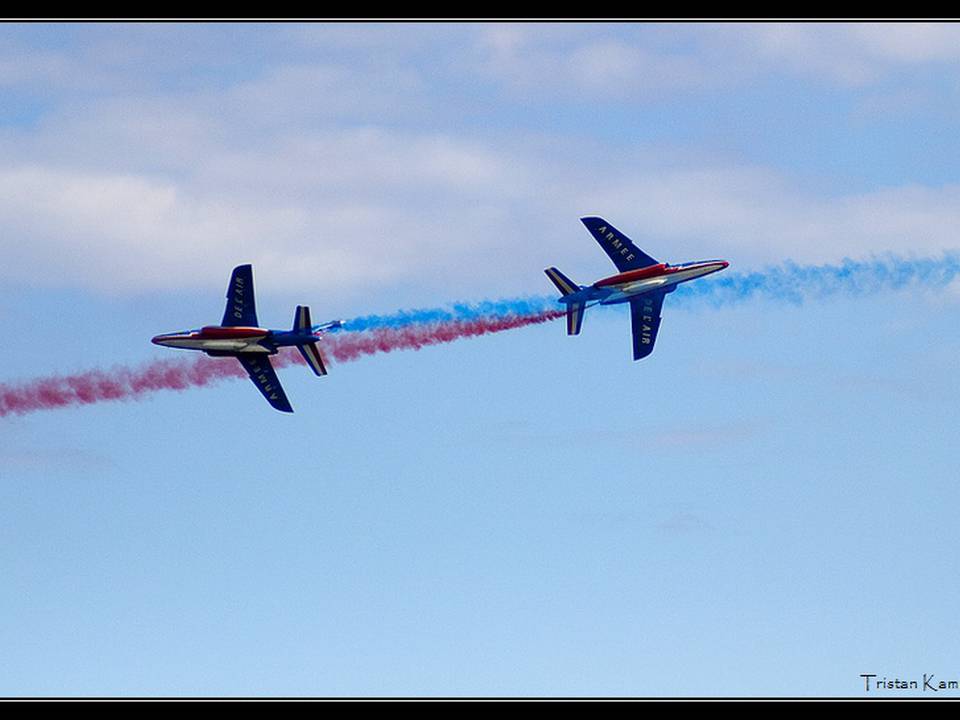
(763, 506)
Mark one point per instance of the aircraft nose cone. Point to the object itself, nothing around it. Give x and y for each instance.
(157, 339)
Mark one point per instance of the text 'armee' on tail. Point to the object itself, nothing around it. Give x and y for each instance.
(568, 290)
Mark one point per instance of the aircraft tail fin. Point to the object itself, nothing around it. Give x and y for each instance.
(565, 285)
(575, 308)
(301, 319)
(302, 324)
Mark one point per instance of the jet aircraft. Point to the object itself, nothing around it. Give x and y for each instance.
(642, 281)
(239, 335)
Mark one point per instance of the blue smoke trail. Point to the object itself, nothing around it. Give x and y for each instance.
(455, 311)
(795, 283)
(789, 282)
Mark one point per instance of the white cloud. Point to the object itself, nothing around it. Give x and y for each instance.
(116, 232)
(851, 54)
(338, 174)
(430, 211)
(644, 62)
(585, 62)
(756, 215)
(342, 209)
(908, 42)
(35, 68)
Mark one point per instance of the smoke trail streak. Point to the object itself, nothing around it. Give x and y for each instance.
(118, 383)
(455, 312)
(788, 282)
(414, 329)
(796, 284)
(122, 383)
(344, 348)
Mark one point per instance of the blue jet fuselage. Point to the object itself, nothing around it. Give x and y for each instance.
(220, 340)
(625, 286)
(641, 281)
(239, 335)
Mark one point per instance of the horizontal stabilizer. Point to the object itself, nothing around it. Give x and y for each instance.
(313, 358)
(575, 313)
(565, 285)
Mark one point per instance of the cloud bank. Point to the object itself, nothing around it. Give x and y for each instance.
(438, 158)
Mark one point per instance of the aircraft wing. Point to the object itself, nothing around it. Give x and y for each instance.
(241, 308)
(618, 247)
(645, 322)
(260, 370)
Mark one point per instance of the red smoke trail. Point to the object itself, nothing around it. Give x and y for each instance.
(344, 348)
(122, 383)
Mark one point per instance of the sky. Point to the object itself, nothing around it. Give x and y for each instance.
(764, 506)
